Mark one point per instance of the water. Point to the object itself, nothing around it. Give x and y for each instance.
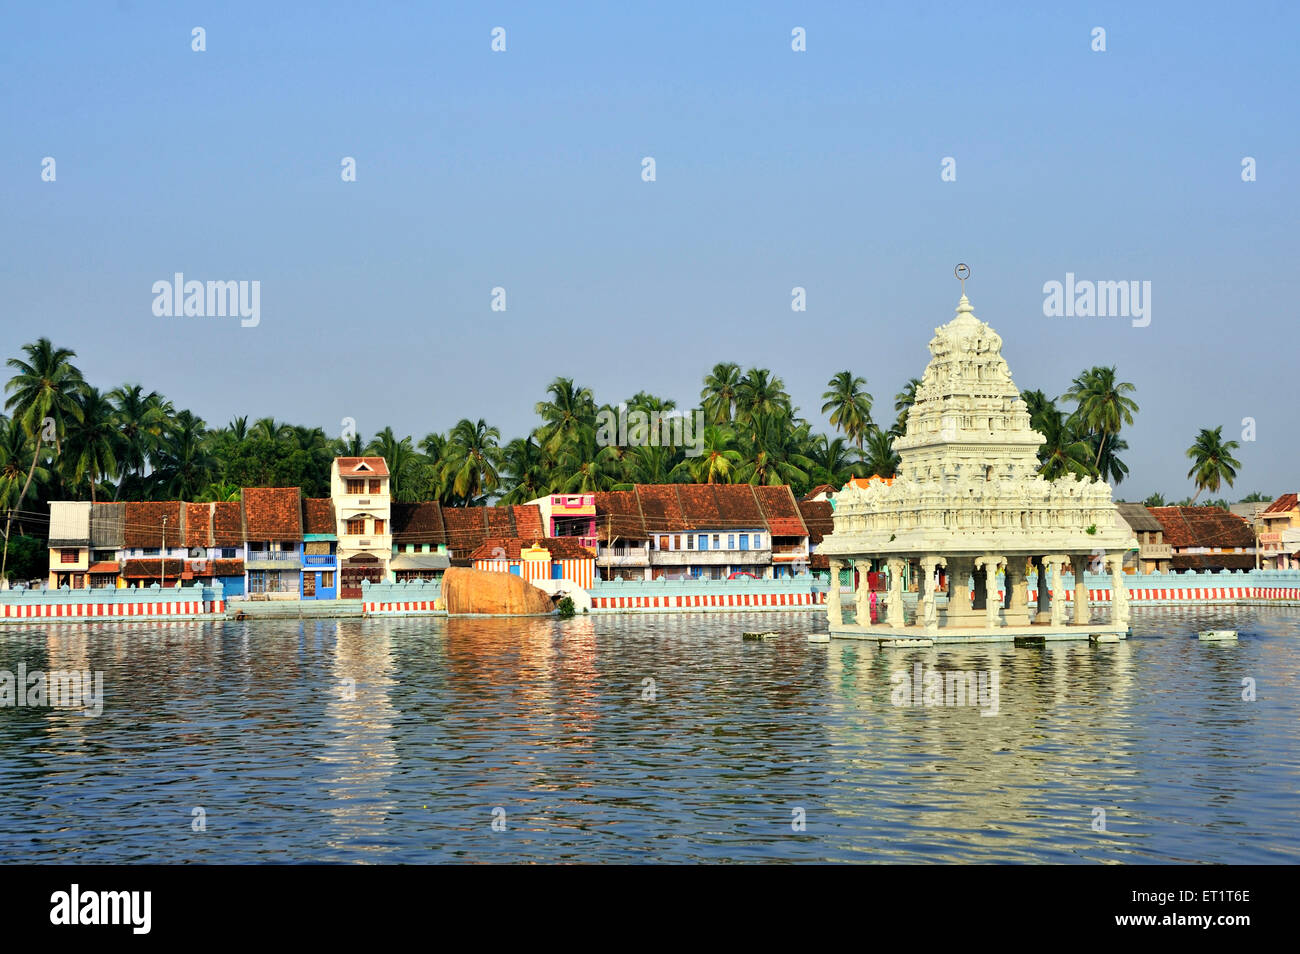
(551, 722)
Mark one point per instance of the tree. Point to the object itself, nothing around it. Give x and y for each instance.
(903, 402)
(570, 410)
(473, 456)
(849, 405)
(1157, 499)
(43, 396)
(1062, 452)
(185, 466)
(140, 420)
(1256, 497)
(1212, 461)
(721, 390)
(879, 458)
(832, 463)
(16, 452)
(1103, 404)
(717, 462)
(771, 452)
(760, 393)
(523, 467)
(93, 441)
(402, 463)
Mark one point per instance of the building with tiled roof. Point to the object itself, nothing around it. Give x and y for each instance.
(682, 531)
(1279, 534)
(319, 549)
(359, 487)
(818, 518)
(1206, 538)
(1154, 553)
(274, 539)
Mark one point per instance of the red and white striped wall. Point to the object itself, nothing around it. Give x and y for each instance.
(710, 601)
(582, 572)
(402, 608)
(112, 610)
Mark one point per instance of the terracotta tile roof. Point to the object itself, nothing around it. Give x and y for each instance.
(198, 525)
(466, 528)
(225, 568)
(528, 520)
(1203, 527)
(819, 489)
(1283, 504)
(1212, 561)
(618, 514)
(817, 518)
(149, 569)
(500, 521)
(103, 568)
(272, 513)
(418, 523)
(661, 508)
(781, 511)
(348, 466)
(509, 548)
(820, 561)
(318, 515)
(227, 523)
(144, 523)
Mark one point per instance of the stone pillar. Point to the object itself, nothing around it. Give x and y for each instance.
(959, 597)
(928, 607)
(894, 616)
(1044, 614)
(1082, 609)
(988, 565)
(1017, 612)
(1118, 592)
(1056, 613)
(834, 614)
(862, 595)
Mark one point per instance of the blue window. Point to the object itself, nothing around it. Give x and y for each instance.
(704, 541)
(744, 541)
(731, 541)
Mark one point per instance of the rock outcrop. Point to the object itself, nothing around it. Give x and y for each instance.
(497, 594)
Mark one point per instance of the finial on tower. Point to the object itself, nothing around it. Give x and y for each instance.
(962, 271)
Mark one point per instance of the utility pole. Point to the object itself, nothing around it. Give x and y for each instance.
(162, 562)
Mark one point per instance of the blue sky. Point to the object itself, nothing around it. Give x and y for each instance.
(775, 169)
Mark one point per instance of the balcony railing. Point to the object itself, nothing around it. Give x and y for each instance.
(318, 559)
(1155, 551)
(623, 556)
(274, 556)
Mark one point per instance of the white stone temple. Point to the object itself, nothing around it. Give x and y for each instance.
(968, 499)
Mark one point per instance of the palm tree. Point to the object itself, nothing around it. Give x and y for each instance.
(759, 392)
(402, 462)
(267, 428)
(15, 461)
(1212, 459)
(717, 462)
(472, 459)
(903, 402)
(185, 465)
(93, 440)
(831, 461)
(569, 410)
(849, 405)
(523, 467)
(1062, 451)
(1103, 404)
(140, 420)
(721, 389)
(879, 458)
(1111, 468)
(44, 397)
(1157, 499)
(772, 454)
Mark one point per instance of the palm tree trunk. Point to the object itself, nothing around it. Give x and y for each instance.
(1096, 465)
(9, 518)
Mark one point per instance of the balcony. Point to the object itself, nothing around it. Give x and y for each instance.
(1155, 551)
(272, 560)
(711, 557)
(623, 556)
(319, 559)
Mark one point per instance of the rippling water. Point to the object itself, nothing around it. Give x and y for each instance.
(718, 759)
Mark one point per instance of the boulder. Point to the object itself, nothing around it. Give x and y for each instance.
(495, 594)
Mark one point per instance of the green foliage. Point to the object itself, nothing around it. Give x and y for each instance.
(566, 608)
(29, 559)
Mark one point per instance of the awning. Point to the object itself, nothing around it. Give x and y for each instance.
(420, 561)
(103, 568)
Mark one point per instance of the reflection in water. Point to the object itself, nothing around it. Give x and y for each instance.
(395, 740)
